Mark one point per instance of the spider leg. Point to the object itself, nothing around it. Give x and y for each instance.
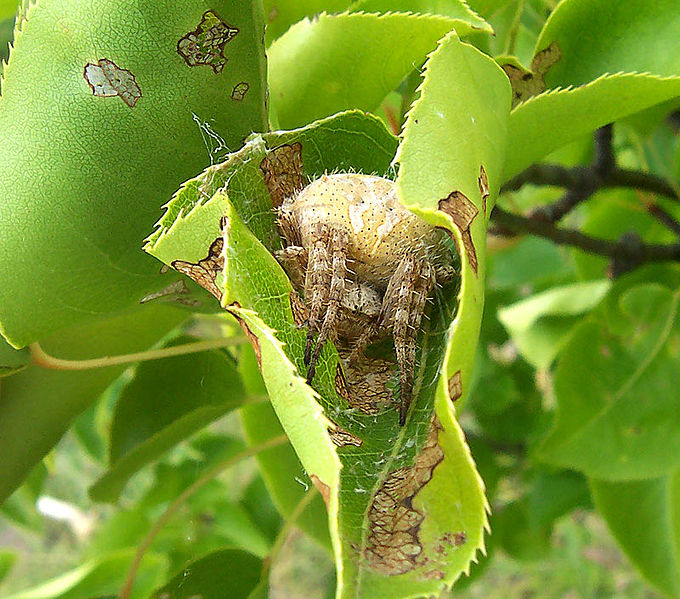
(327, 289)
(403, 307)
(293, 258)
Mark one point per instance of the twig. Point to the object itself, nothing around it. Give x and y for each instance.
(626, 247)
(40, 358)
(581, 183)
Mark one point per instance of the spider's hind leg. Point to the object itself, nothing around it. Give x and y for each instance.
(402, 311)
(324, 289)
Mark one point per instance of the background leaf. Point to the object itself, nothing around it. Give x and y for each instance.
(12, 360)
(39, 405)
(337, 62)
(539, 325)
(166, 401)
(8, 8)
(85, 175)
(227, 573)
(616, 384)
(644, 517)
(100, 577)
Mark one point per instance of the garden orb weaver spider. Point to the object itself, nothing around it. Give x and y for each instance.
(365, 265)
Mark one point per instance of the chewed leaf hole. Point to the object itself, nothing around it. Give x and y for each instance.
(108, 80)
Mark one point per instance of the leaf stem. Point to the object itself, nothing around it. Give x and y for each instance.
(41, 358)
(182, 498)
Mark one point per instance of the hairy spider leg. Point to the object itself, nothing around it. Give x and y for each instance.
(403, 307)
(338, 272)
(317, 280)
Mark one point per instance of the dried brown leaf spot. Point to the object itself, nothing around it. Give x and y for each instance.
(363, 383)
(252, 337)
(107, 80)
(463, 212)
(526, 84)
(205, 271)
(205, 44)
(392, 545)
(483, 187)
(239, 92)
(342, 438)
(283, 172)
(456, 386)
(322, 487)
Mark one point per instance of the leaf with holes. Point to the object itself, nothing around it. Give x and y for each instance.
(389, 489)
(103, 114)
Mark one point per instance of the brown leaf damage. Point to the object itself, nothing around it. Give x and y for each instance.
(463, 212)
(239, 92)
(526, 84)
(456, 386)
(108, 80)
(393, 545)
(483, 187)
(363, 383)
(205, 44)
(342, 438)
(252, 337)
(283, 172)
(205, 271)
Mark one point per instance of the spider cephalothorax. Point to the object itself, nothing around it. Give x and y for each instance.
(365, 265)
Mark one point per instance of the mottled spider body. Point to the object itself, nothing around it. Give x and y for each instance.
(365, 265)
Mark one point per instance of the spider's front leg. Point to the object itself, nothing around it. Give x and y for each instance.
(402, 311)
(324, 289)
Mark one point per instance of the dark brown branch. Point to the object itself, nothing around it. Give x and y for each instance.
(581, 183)
(626, 253)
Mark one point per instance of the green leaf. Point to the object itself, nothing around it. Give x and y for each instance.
(12, 360)
(547, 122)
(165, 402)
(616, 384)
(100, 577)
(38, 405)
(454, 132)
(7, 560)
(280, 467)
(458, 10)
(540, 324)
(598, 36)
(644, 517)
(531, 261)
(20, 507)
(191, 225)
(283, 474)
(84, 175)
(337, 62)
(8, 8)
(281, 14)
(228, 573)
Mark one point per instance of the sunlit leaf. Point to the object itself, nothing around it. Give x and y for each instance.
(87, 163)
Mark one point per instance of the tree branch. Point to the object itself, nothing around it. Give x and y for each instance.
(581, 182)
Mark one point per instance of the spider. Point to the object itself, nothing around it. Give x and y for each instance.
(365, 265)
